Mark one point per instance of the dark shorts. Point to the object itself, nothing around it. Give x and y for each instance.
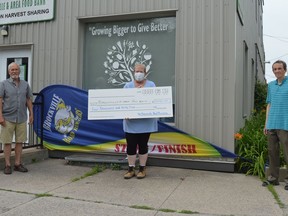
(139, 141)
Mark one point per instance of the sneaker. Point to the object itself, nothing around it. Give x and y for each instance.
(142, 173)
(7, 170)
(130, 173)
(20, 168)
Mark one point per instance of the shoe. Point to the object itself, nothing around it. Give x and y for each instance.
(20, 168)
(130, 173)
(142, 172)
(7, 170)
(286, 186)
(267, 182)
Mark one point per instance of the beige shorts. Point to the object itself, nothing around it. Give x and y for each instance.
(7, 132)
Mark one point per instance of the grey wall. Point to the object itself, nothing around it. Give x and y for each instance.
(209, 55)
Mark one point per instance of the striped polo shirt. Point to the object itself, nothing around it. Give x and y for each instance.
(277, 97)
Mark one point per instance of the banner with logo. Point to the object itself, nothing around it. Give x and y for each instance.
(66, 127)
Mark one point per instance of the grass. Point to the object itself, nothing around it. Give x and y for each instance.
(93, 171)
(33, 160)
(164, 210)
(188, 212)
(167, 210)
(276, 197)
(142, 207)
(43, 195)
(114, 166)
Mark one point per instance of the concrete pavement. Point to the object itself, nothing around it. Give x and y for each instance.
(52, 187)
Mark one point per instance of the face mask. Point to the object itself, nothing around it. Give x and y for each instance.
(139, 76)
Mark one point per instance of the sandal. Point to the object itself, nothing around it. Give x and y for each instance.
(275, 182)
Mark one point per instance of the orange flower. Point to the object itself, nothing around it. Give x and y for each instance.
(238, 136)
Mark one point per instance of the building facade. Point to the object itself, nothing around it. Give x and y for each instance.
(210, 51)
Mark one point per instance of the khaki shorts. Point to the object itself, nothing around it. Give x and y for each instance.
(7, 132)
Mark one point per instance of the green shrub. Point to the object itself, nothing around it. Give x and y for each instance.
(251, 143)
(251, 146)
(260, 96)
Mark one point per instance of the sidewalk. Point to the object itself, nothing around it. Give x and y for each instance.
(48, 189)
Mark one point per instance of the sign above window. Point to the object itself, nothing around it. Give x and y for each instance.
(24, 11)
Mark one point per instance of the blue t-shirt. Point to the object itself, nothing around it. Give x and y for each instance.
(277, 97)
(145, 125)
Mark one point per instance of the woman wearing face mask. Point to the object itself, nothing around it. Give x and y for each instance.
(137, 131)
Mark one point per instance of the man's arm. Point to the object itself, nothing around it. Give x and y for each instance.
(30, 108)
(267, 113)
(2, 120)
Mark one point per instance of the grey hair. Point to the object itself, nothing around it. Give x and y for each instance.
(13, 63)
(140, 64)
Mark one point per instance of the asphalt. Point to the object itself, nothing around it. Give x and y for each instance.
(53, 187)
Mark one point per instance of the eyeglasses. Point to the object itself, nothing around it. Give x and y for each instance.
(139, 72)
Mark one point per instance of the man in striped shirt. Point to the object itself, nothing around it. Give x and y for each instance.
(276, 125)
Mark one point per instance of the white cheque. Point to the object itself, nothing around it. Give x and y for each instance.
(130, 103)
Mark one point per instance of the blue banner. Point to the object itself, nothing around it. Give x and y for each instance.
(66, 127)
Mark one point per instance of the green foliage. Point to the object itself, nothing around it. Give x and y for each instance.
(260, 96)
(276, 196)
(93, 171)
(167, 210)
(142, 207)
(43, 195)
(114, 166)
(188, 212)
(251, 143)
(163, 210)
(251, 146)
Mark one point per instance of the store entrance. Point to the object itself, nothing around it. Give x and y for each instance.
(23, 58)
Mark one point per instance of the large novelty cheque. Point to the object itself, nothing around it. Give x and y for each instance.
(130, 103)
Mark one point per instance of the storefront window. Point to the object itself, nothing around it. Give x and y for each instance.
(112, 49)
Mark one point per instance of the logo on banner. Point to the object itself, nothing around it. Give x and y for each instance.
(61, 117)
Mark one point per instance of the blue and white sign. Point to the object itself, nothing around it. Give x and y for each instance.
(66, 128)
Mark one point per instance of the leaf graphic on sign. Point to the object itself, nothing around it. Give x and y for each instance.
(122, 59)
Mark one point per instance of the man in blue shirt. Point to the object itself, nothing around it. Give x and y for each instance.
(276, 125)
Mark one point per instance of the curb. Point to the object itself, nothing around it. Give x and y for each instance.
(29, 155)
